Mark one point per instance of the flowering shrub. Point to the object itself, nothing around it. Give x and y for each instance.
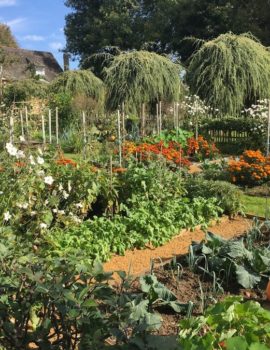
(148, 151)
(253, 168)
(38, 192)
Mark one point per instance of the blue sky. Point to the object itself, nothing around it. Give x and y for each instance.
(37, 24)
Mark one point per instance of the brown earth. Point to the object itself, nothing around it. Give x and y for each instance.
(137, 262)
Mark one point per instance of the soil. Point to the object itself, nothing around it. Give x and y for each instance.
(138, 262)
(193, 286)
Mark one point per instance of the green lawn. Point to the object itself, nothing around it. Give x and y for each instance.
(256, 205)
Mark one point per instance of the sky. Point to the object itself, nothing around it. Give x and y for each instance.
(37, 24)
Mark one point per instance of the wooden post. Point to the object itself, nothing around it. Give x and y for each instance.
(160, 117)
(268, 131)
(143, 120)
(157, 116)
(196, 128)
(177, 116)
(50, 126)
(27, 122)
(43, 129)
(84, 134)
(11, 131)
(119, 138)
(174, 115)
(57, 125)
(22, 127)
(123, 121)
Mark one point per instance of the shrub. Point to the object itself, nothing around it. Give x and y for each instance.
(227, 195)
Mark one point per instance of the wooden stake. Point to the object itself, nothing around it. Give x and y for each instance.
(43, 129)
(157, 117)
(50, 126)
(84, 134)
(143, 120)
(27, 122)
(119, 137)
(160, 117)
(22, 128)
(57, 125)
(123, 121)
(268, 131)
(11, 131)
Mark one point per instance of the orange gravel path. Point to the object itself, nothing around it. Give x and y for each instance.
(138, 261)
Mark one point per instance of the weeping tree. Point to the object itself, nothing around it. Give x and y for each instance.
(76, 91)
(230, 72)
(81, 82)
(139, 77)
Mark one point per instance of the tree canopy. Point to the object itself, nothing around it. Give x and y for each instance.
(141, 77)
(230, 72)
(160, 25)
(6, 37)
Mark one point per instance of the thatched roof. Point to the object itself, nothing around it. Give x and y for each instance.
(19, 64)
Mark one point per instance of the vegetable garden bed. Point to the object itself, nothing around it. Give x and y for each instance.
(139, 261)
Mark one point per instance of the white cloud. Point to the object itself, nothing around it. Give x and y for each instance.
(33, 38)
(56, 45)
(6, 3)
(16, 23)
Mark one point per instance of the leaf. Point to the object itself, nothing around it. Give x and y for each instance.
(245, 278)
(235, 249)
(237, 343)
(89, 303)
(258, 346)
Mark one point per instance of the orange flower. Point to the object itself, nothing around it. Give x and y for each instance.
(66, 161)
(20, 164)
(119, 170)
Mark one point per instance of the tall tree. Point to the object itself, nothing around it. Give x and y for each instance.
(6, 37)
(160, 25)
(95, 24)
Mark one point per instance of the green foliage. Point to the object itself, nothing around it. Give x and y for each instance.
(230, 324)
(63, 304)
(255, 129)
(228, 196)
(81, 82)
(230, 72)
(6, 37)
(234, 260)
(179, 135)
(24, 90)
(151, 210)
(141, 77)
(160, 25)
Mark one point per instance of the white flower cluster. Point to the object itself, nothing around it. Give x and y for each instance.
(195, 107)
(259, 110)
(13, 151)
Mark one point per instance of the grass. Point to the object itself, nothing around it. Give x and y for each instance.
(257, 206)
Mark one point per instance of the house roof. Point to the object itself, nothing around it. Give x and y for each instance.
(19, 62)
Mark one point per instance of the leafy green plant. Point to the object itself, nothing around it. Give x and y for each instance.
(228, 196)
(179, 135)
(234, 260)
(64, 304)
(230, 324)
